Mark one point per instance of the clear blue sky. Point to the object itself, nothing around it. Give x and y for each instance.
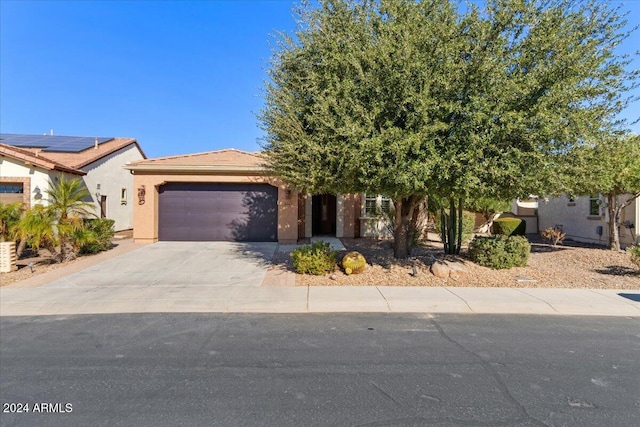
(180, 77)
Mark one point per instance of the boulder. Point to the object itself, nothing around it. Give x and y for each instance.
(440, 269)
(456, 269)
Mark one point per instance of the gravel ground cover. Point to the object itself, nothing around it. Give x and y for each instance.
(43, 262)
(570, 265)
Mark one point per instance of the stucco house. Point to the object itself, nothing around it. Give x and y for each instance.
(29, 162)
(585, 218)
(228, 195)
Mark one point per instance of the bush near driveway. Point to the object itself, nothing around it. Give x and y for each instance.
(316, 259)
(500, 251)
(101, 232)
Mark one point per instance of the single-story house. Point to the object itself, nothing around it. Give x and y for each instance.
(29, 162)
(585, 218)
(228, 195)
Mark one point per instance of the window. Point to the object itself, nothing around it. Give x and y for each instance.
(370, 205)
(11, 192)
(11, 188)
(594, 205)
(376, 204)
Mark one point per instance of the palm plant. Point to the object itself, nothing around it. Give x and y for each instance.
(9, 217)
(37, 227)
(67, 203)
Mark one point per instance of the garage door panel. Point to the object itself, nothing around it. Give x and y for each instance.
(209, 212)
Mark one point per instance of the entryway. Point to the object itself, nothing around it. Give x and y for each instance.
(323, 219)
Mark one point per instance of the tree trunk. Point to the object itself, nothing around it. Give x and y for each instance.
(614, 215)
(20, 248)
(615, 210)
(404, 213)
(460, 217)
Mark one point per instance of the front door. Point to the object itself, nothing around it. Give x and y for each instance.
(103, 206)
(323, 215)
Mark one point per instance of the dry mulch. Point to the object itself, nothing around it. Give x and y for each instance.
(571, 265)
(43, 262)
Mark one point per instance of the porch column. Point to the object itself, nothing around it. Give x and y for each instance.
(339, 215)
(308, 225)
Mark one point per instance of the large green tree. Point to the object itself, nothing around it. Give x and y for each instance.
(408, 98)
(610, 167)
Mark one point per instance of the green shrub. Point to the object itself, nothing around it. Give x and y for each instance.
(635, 255)
(316, 258)
(509, 226)
(468, 223)
(500, 251)
(101, 232)
(9, 218)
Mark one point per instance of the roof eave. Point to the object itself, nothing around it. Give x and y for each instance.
(258, 170)
(109, 152)
(43, 163)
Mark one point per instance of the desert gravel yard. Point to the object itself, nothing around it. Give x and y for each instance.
(571, 265)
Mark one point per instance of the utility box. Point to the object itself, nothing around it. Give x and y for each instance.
(7, 257)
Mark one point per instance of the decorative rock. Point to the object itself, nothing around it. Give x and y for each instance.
(440, 269)
(456, 269)
(333, 277)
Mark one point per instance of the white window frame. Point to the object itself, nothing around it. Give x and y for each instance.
(382, 205)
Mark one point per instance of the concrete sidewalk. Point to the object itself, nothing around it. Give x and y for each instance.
(385, 299)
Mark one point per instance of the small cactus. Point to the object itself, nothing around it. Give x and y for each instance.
(353, 263)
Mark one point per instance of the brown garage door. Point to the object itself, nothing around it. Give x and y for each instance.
(203, 212)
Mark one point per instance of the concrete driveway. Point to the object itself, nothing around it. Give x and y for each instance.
(178, 264)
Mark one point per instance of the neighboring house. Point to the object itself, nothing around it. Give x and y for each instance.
(585, 218)
(527, 210)
(228, 195)
(29, 162)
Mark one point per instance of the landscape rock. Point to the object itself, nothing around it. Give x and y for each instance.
(440, 269)
(456, 269)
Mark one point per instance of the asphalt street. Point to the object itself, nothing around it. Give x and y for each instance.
(319, 370)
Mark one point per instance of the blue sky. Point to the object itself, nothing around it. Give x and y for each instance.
(180, 77)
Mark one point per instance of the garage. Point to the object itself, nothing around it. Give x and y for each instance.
(218, 212)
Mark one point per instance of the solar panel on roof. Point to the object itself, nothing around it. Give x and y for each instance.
(52, 143)
(24, 140)
(76, 144)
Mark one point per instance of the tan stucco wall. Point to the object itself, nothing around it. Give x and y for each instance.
(145, 216)
(112, 178)
(351, 211)
(580, 226)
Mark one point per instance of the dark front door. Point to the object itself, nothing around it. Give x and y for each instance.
(103, 206)
(323, 215)
(211, 212)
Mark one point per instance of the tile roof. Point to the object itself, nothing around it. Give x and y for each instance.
(80, 159)
(229, 158)
(30, 157)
